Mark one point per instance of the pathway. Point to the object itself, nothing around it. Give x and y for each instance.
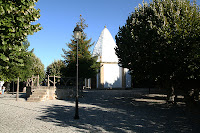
(117, 111)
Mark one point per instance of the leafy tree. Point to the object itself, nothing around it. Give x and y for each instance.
(87, 64)
(32, 64)
(137, 43)
(56, 68)
(25, 70)
(160, 42)
(15, 24)
(37, 66)
(181, 26)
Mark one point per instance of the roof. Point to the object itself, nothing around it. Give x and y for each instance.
(104, 47)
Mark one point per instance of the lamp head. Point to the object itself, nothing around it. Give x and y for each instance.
(77, 32)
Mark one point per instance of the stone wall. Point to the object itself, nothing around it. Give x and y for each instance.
(64, 93)
(53, 93)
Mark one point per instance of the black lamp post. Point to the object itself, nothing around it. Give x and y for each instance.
(77, 35)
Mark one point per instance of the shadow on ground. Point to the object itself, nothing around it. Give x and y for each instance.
(11, 95)
(119, 111)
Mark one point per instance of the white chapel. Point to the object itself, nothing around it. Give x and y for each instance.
(110, 75)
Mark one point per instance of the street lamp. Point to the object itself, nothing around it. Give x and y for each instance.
(77, 35)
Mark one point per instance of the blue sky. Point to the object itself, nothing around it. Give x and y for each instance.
(59, 17)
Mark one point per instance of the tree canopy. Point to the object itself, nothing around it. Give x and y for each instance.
(87, 64)
(15, 24)
(37, 66)
(32, 65)
(56, 68)
(160, 41)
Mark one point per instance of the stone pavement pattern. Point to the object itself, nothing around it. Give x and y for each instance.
(117, 111)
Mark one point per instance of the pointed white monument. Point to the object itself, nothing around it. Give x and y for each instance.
(110, 75)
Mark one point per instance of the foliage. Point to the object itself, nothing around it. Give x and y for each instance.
(56, 68)
(87, 64)
(32, 64)
(25, 71)
(160, 41)
(37, 66)
(87, 68)
(15, 24)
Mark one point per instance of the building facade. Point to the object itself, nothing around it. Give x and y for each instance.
(110, 75)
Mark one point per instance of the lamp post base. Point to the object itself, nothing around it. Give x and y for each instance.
(76, 110)
(76, 117)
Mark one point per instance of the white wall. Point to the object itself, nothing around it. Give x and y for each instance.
(1, 84)
(112, 76)
(128, 78)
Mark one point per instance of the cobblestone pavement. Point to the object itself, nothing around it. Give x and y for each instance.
(117, 111)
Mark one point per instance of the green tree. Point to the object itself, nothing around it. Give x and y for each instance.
(37, 66)
(32, 64)
(15, 24)
(25, 71)
(87, 64)
(160, 42)
(56, 68)
(137, 43)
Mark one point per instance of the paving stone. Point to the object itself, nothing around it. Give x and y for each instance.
(100, 111)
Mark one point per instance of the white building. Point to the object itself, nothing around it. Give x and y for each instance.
(1, 84)
(110, 75)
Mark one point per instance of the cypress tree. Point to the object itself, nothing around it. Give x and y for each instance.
(87, 64)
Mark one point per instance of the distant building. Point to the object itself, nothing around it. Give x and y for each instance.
(110, 75)
(1, 84)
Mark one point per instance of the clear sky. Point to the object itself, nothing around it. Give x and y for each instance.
(59, 18)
